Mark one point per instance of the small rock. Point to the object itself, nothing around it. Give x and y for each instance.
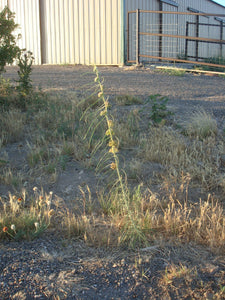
(69, 189)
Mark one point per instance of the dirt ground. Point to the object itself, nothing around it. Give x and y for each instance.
(52, 268)
(186, 93)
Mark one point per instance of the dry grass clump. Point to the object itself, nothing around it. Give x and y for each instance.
(174, 272)
(97, 231)
(128, 130)
(63, 130)
(26, 218)
(57, 118)
(140, 220)
(180, 281)
(127, 100)
(201, 125)
(199, 158)
(11, 177)
(134, 169)
(203, 222)
(163, 145)
(12, 126)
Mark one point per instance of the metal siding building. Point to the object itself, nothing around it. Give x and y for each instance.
(204, 6)
(94, 31)
(173, 25)
(81, 32)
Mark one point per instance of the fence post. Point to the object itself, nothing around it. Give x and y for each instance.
(160, 29)
(221, 37)
(128, 37)
(137, 36)
(197, 35)
(186, 41)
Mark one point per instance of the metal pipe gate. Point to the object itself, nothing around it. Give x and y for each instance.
(175, 36)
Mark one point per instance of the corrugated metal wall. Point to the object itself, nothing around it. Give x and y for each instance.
(27, 16)
(81, 32)
(91, 31)
(3, 3)
(70, 31)
(205, 50)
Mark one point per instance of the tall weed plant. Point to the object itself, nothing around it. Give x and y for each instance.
(25, 62)
(124, 200)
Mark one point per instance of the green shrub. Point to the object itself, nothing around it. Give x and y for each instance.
(8, 49)
(159, 109)
(25, 62)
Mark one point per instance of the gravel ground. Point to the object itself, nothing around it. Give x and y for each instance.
(52, 268)
(187, 93)
(48, 268)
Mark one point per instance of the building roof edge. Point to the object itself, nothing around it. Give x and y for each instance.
(216, 3)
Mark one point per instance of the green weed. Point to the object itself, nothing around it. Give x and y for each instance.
(159, 110)
(25, 61)
(174, 72)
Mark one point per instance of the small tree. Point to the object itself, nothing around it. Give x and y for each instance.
(8, 49)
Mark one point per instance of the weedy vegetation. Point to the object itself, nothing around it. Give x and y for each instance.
(159, 110)
(173, 72)
(217, 60)
(127, 100)
(147, 166)
(130, 159)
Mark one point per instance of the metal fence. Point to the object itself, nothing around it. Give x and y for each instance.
(185, 37)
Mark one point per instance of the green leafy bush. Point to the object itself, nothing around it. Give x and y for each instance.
(8, 49)
(159, 109)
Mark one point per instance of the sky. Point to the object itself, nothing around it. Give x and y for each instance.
(220, 2)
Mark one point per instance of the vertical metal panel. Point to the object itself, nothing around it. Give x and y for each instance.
(148, 21)
(81, 31)
(3, 3)
(27, 16)
(205, 50)
(170, 26)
